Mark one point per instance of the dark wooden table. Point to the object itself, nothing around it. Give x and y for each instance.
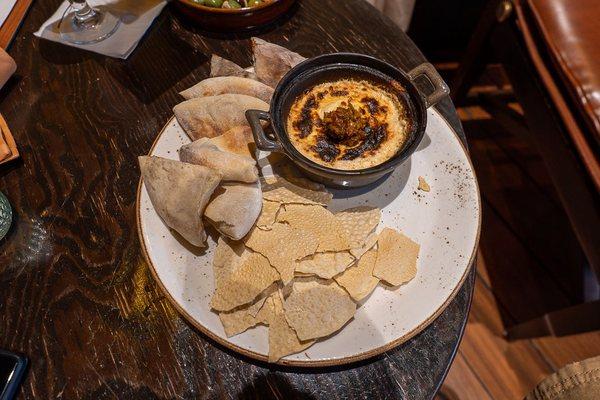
(75, 293)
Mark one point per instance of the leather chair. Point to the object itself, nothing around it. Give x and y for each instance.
(550, 50)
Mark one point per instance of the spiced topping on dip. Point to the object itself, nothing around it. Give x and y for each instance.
(349, 124)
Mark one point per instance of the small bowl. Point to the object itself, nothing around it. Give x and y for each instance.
(230, 19)
(331, 67)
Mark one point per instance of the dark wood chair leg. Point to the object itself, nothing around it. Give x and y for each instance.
(577, 319)
(474, 60)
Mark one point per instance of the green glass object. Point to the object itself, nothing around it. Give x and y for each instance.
(5, 215)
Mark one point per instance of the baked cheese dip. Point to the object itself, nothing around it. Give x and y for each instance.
(349, 124)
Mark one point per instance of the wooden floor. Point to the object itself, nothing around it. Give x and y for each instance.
(529, 262)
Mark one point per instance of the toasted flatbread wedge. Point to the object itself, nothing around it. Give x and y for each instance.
(229, 84)
(272, 62)
(232, 167)
(237, 140)
(179, 193)
(214, 115)
(220, 66)
(234, 208)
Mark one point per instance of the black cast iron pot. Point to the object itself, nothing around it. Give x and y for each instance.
(332, 67)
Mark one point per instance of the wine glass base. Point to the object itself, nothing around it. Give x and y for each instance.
(93, 30)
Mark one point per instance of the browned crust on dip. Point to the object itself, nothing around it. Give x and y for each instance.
(349, 124)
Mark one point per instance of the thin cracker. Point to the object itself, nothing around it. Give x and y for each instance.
(318, 308)
(245, 317)
(283, 340)
(369, 243)
(246, 283)
(325, 265)
(283, 245)
(396, 257)
(423, 185)
(298, 274)
(241, 319)
(358, 280)
(229, 255)
(358, 223)
(284, 191)
(268, 214)
(318, 220)
(306, 183)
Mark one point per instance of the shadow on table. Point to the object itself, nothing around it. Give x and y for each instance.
(128, 11)
(182, 43)
(272, 368)
(60, 54)
(178, 59)
(137, 74)
(272, 386)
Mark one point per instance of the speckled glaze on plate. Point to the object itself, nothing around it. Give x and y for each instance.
(445, 222)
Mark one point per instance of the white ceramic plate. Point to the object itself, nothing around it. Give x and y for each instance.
(444, 221)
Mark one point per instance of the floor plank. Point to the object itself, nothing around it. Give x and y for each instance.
(488, 365)
(565, 350)
(486, 310)
(508, 370)
(482, 271)
(510, 133)
(518, 281)
(512, 193)
(462, 383)
(526, 249)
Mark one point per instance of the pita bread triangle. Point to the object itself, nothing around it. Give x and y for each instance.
(179, 193)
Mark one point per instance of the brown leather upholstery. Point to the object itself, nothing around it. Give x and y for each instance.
(563, 38)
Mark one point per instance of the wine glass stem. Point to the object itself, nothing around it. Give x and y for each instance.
(83, 11)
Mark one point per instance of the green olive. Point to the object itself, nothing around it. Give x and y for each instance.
(201, 2)
(234, 4)
(253, 3)
(213, 3)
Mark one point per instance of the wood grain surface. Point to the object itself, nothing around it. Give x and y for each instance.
(75, 293)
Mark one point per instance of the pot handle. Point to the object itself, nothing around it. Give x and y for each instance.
(263, 142)
(440, 89)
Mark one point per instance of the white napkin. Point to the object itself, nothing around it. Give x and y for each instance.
(136, 17)
(6, 7)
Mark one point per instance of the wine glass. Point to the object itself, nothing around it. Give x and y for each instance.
(86, 25)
